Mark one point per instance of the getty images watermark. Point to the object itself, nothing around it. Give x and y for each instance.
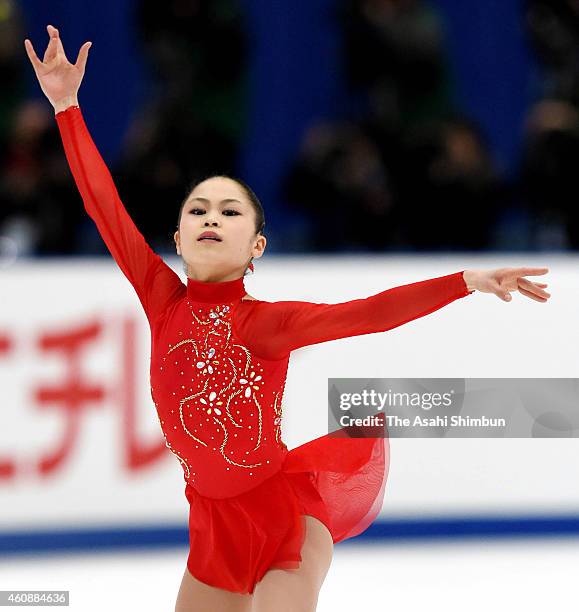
(454, 407)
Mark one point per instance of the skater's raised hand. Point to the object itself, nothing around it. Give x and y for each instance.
(59, 79)
(504, 280)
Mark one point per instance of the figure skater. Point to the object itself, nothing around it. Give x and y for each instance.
(262, 519)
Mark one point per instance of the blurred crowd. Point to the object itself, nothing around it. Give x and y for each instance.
(403, 174)
(413, 172)
(192, 123)
(410, 171)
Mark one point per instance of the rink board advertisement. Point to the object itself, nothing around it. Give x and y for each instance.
(80, 442)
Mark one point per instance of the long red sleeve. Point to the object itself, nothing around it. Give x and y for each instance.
(156, 284)
(276, 328)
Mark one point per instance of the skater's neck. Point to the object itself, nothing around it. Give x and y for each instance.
(222, 291)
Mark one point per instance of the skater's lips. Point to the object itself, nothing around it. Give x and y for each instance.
(209, 236)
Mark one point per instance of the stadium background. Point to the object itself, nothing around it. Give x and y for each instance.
(389, 141)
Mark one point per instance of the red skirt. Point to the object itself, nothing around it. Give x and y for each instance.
(337, 479)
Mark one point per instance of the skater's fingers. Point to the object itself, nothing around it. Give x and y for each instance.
(52, 33)
(530, 271)
(499, 291)
(82, 56)
(533, 296)
(55, 40)
(532, 287)
(36, 63)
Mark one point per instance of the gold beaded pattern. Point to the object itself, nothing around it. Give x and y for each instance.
(227, 376)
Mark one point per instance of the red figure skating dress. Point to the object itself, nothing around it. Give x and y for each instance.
(217, 373)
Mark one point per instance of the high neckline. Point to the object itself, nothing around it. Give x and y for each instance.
(222, 291)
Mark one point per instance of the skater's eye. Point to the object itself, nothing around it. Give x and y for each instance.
(227, 210)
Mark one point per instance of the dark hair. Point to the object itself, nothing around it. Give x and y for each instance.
(253, 199)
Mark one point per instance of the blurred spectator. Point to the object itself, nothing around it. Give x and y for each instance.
(197, 50)
(549, 173)
(40, 210)
(342, 184)
(553, 28)
(548, 180)
(395, 49)
(451, 192)
(11, 64)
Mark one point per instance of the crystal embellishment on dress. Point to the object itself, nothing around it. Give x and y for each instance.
(207, 362)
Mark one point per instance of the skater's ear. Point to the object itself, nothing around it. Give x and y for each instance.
(177, 242)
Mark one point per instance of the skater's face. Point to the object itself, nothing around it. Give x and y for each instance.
(221, 206)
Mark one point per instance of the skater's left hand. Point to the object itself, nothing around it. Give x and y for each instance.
(504, 280)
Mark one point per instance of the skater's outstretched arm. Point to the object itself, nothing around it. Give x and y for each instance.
(156, 284)
(288, 325)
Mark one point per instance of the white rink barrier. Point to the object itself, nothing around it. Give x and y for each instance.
(80, 442)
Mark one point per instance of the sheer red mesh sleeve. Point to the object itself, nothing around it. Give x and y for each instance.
(156, 284)
(343, 478)
(287, 325)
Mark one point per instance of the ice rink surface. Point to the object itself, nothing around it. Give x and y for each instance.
(507, 574)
